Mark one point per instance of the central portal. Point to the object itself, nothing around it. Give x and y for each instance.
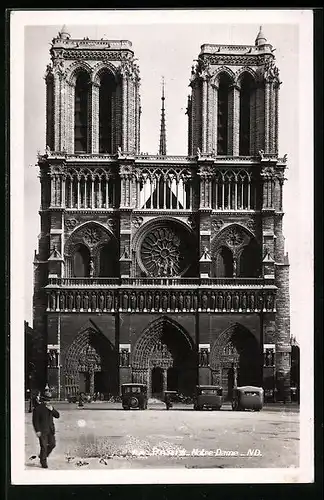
(164, 359)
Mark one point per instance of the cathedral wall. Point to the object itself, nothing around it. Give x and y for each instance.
(212, 325)
(72, 324)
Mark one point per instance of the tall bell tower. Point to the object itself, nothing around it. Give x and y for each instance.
(233, 129)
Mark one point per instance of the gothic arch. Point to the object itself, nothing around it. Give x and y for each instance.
(241, 72)
(74, 69)
(236, 359)
(89, 352)
(93, 236)
(151, 335)
(222, 70)
(101, 68)
(223, 339)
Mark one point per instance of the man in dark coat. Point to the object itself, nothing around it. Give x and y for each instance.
(44, 427)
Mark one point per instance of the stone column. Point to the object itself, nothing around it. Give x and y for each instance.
(57, 112)
(204, 115)
(95, 90)
(234, 120)
(267, 103)
(214, 116)
(124, 113)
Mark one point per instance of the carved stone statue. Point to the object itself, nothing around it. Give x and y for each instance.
(149, 301)
(204, 301)
(220, 301)
(125, 301)
(101, 301)
(109, 302)
(91, 268)
(71, 301)
(195, 302)
(173, 302)
(228, 302)
(204, 357)
(164, 302)
(187, 302)
(269, 302)
(78, 301)
(212, 301)
(86, 302)
(180, 301)
(93, 301)
(236, 300)
(53, 301)
(252, 302)
(133, 301)
(62, 301)
(157, 302)
(244, 301)
(141, 301)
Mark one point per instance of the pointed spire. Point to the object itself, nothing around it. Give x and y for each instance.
(162, 148)
(64, 33)
(260, 39)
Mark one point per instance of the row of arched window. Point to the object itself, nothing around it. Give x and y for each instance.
(81, 264)
(82, 101)
(223, 112)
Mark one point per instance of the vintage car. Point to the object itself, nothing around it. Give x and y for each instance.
(170, 397)
(134, 396)
(208, 396)
(247, 397)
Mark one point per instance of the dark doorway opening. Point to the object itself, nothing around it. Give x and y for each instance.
(172, 379)
(157, 381)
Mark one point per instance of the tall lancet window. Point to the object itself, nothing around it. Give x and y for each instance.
(81, 117)
(222, 115)
(245, 114)
(106, 95)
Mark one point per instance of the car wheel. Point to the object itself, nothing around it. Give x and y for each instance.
(133, 403)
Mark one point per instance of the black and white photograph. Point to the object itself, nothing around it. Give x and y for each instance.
(161, 246)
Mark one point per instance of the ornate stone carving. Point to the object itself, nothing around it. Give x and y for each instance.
(91, 235)
(70, 224)
(160, 252)
(251, 224)
(271, 72)
(137, 222)
(217, 224)
(191, 222)
(111, 223)
(235, 237)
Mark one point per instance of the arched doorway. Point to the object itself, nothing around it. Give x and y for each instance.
(157, 381)
(81, 262)
(89, 365)
(236, 359)
(164, 358)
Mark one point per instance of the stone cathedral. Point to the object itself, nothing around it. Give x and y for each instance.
(165, 270)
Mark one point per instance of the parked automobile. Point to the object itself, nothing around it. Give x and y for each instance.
(134, 396)
(247, 397)
(208, 396)
(170, 397)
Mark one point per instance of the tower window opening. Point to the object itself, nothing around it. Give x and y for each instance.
(81, 104)
(106, 93)
(222, 116)
(245, 115)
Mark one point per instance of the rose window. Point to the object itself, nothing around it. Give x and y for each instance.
(164, 252)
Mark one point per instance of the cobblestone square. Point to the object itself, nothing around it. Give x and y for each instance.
(102, 435)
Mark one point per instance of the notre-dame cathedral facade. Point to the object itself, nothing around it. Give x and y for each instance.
(167, 270)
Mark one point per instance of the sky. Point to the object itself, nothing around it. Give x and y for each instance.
(167, 47)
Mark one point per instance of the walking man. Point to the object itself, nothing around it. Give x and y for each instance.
(44, 427)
